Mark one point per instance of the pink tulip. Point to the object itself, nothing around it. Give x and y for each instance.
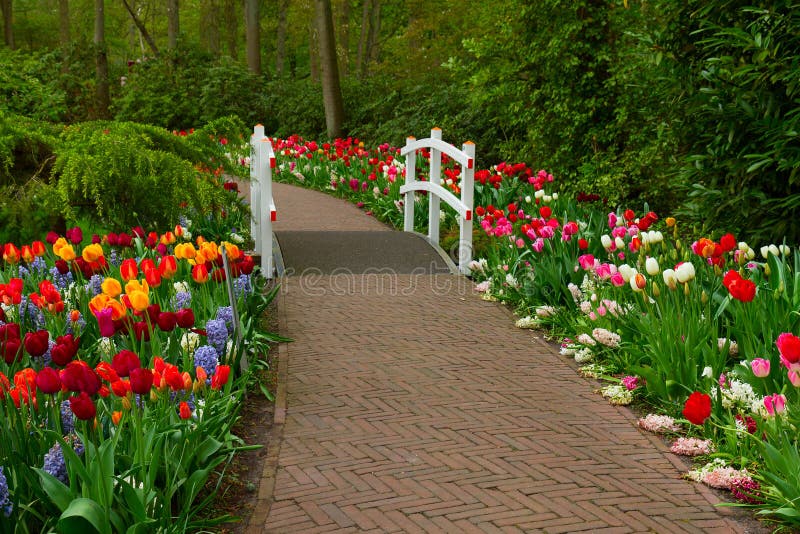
(794, 378)
(775, 404)
(760, 367)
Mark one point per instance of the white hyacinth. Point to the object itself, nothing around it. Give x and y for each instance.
(584, 355)
(606, 337)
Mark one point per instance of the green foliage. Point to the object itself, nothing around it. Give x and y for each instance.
(26, 157)
(189, 89)
(746, 156)
(124, 174)
(27, 89)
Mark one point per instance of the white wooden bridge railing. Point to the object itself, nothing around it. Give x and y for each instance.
(436, 192)
(262, 206)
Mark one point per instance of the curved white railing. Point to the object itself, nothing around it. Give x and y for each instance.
(436, 192)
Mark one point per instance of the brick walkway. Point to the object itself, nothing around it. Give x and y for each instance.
(403, 417)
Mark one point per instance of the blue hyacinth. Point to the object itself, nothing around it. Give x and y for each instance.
(29, 314)
(54, 463)
(95, 285)
(225, 313)
(5, 499)
(242, 286)
(217, 335)
(61, 281)
(23, 272)
(67, 418)
(38, 266)
(114, 258)
(206, 357)
(182, 299)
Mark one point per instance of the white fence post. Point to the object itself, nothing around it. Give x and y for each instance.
(467, 197)
(262, 205)
(411, 177)
(435, 178)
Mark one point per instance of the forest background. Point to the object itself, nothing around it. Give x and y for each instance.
(688, 106)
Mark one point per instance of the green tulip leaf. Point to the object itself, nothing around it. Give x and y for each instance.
(83, 516)
(55, 489)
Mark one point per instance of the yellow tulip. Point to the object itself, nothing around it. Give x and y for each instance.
(66, 253)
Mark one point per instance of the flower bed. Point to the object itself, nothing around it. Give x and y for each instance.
(120, 378)
(701, 329)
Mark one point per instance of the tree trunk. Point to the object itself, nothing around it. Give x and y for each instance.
(253, 35)
(103, 97)
(173, 24)
(331, 91)
(363, 53)
(8, 17)
(313, 50)
(280, 45)
(343, 39)
(374, 31)
(63, 22)
(209, 26)
(231, 27)
(140, 25)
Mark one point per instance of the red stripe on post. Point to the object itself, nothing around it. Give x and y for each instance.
(468, 215)
(271, 163)
(470, 163)
(273, 216)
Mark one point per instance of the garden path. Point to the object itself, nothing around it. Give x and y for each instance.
(408, 404)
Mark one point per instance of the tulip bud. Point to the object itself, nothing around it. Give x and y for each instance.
(605, 240)
(686, 289)
(678, 244)
(638, 282)
(767, 270)
(656, 290)
(704, 297)
(126, 403)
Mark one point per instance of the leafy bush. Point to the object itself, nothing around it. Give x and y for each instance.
(746, 156)
(123, 174)
(26, 90)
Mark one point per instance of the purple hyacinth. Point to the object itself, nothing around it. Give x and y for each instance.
(95, 285)
(61, 281)
(54, 463)
(217, 335)
(206, 357)
(67, 418)
(5, 499)
(38, 265)
(225, 313)
(182, 299)
(242, 286)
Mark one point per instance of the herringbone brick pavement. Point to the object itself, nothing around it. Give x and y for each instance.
(415, 406)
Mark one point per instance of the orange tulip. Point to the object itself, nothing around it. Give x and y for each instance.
(10, 253)
(38, 248)
(27, 253)
(128, 269)
(200, 273)
(168, 238)
(116, 417)
(111, 287)
(92, 252)
(139, 300)
(168, 266)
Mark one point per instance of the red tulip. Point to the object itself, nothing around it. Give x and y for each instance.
(697, 408)
(37, 343)
(106, 372)
(48, 381)
(184, 410)
(125, 361)
(185, 317)
(141, 380)
(220, 377)
(78, 376)
(168, 266)
(65, 349)
(82, 406)
(121, 388)
(12, 350)
(167, 321)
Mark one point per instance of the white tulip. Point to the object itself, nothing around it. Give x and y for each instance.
(627, 272)
(651, 266)
(685, 272)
